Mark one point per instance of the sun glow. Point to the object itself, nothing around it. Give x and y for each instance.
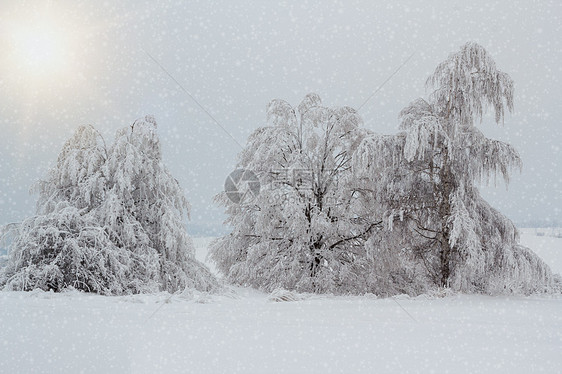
(40, 49)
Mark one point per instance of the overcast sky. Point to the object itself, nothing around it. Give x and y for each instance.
(234, 58)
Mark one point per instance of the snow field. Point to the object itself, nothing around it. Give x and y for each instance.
(245, 332)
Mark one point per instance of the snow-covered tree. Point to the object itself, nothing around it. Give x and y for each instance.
(109, 220)
(303, 231)
(426, 178)
(145, 207)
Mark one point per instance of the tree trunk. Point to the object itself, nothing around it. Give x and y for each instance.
(446, 189)
(445, 259)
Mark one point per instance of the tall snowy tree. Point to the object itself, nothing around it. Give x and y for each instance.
(426, 181)
(303, 231)
(109, 220)
(145, 207)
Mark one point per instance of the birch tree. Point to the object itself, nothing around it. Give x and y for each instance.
(428, 174)
(303, 231)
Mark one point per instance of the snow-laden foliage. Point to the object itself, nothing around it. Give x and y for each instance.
(423, 180)
(109, 220)
(467, 83)
(306, 229)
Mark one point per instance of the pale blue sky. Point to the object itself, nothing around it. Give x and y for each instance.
(234, 58)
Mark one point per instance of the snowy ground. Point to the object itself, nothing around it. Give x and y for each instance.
(245, 332)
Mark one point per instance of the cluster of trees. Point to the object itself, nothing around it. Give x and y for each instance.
(109, 220)
(383, 214)
(340, 209)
